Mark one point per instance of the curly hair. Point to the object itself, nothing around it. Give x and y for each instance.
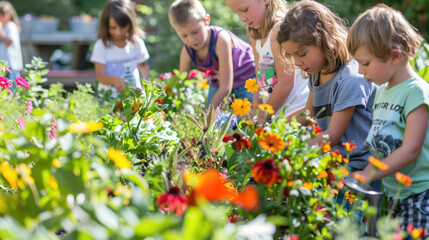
(310, 23)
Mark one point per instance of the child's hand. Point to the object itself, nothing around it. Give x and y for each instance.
(120, 84)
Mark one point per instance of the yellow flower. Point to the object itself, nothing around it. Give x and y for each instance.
(326, 148)
(1, 127)
(308, 185)
(56, 163)
(272, 142)
(53, 182)
(10, 174)
(85, 127)
(377, 163)
(350, 196)
(25, 173)
(266, 108)
(241, 106)
(203, 84)
(118, 158)
(251, 85)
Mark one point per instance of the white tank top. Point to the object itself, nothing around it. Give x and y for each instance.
(267, 78)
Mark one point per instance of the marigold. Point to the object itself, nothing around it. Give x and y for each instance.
(241, 106)
(251, 85)
(9, 173)
(259, 131)
(403, 179)
(326, 148)
(308, 185)
(377, 163)
(172, 201)
(266, 171)
(119, 158)
(272, 142)
(359, 177)
(350, 196)
(266, 108)
(85, 127)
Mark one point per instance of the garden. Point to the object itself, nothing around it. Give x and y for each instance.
(154, 163)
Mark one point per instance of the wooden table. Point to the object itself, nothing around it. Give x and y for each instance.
(44, 44)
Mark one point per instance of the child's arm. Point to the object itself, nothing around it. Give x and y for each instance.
(414, 136)
(144, 70)
(3, 36)
(285, 75)
(336, 128)
(185, 61)
(100, 72)
(256, 99)
(224, 54)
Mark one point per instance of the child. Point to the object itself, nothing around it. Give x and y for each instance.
(276, 78)
(383, 41)
(10, 44)
(227, 57)
(119, 54)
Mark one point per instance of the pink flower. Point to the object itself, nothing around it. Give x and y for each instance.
(193, 74)
(22, 82)
(21, 123)
(29, 107)
(52, 128)
(1, 117)
(26, 153)
(4, 82)
(5, 68)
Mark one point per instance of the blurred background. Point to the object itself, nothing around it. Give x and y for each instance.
(66, 16)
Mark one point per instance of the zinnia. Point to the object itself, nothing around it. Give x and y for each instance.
(266, 172)
(272, 142)
(172, 201)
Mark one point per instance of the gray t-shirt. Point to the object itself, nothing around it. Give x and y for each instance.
(347, 88)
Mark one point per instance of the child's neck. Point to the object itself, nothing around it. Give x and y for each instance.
(323, 78)
(202, 52)
(402, 74)
(119, 43)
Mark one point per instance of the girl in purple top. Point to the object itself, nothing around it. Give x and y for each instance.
(228, 59)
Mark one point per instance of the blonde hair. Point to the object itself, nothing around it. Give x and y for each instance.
(183, 11)
(381, 29)
(123, 13)
(7, 8)
(310, 23)
(274, 12)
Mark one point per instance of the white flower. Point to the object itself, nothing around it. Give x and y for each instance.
(257, 229)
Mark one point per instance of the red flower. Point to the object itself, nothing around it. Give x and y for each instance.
(317, 130)
(209, 73)
(416, 233)
(159, 101)
(266, 172)
(173, 201)
(239, 140)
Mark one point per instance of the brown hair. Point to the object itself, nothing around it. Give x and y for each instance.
(381, 29)
(7, 8)
(274, 12)
(123, 13)
(183, 11)
(312, 23)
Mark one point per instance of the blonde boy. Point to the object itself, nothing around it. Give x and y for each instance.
(383, 41)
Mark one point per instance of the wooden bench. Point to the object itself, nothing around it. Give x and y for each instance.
(70, 77)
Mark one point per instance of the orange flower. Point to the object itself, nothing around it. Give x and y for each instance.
(350, 196)
(259, 131)
(340, 184)
(359, 177)
(272, 142)
(323, 174)
(248, 199)
(172, 201)
(349, 146)
(251, 85)
(403, 179)
(266, 172)
(416, 233)
(326, 148)
(377, 163)
(308, 185)
(241, 106)
(266, 108)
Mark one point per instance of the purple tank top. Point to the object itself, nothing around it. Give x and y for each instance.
(242, 59)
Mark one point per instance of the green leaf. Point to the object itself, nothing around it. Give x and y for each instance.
(106, 216)
(136, 91)
(127, 105)
(69, 180)
(155, 224)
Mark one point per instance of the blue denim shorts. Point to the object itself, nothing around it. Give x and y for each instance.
(240, 92)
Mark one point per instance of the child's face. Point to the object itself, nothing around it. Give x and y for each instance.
(194, 33)
(250, 12)
(4, 18)
(372, 68)
(308, 58)
(117, 32)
